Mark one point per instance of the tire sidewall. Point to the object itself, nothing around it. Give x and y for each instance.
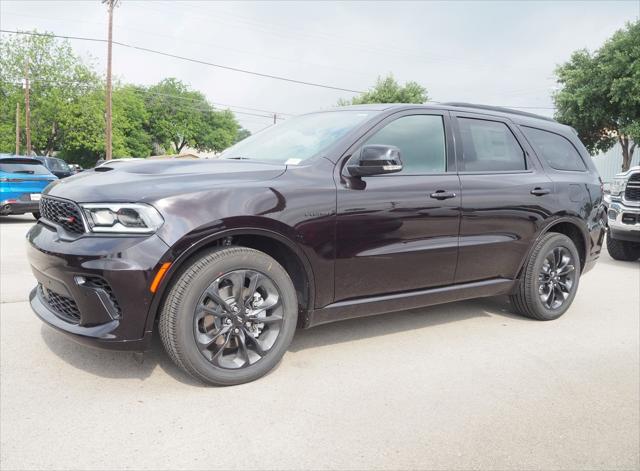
(234, 260)
(558, 240)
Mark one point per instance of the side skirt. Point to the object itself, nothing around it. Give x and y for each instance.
(410, 300)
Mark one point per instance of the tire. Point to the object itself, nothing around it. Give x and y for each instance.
(623, 250)
(534, 281)
(36, 214)
(188, 321)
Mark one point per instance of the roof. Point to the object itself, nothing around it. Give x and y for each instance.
(177, 156)
(18, 157)
(454, 106)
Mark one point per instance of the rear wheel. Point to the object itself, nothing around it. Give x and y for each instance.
(36, 214)
(623, 250)
(549, 280)
(230, 316)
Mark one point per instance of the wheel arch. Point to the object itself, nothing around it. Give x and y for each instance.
(574, 228)
(274, 244)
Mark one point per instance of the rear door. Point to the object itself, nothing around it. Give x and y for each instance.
(399, 232)
(506, 195)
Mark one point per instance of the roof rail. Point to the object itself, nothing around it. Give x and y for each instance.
(499, 109)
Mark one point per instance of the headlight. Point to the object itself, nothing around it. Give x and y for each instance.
(122, 217)
(617, 186)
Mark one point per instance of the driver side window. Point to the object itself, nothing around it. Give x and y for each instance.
(421, 141)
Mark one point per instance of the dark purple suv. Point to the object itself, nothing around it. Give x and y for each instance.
(328, 216)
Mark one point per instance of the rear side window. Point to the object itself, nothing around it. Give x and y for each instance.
(58, 165)
(489, 146)
(29, 168)
(556, 150)
(420, 139)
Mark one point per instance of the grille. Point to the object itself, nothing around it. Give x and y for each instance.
(100, 283)
(64, 213)
(632, 193)
(61, 305)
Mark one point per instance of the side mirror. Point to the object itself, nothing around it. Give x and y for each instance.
(374, 160)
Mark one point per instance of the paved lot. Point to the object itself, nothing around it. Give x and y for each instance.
(460, 386)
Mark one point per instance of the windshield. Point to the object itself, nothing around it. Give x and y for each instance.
(297, 138)
(31, 168)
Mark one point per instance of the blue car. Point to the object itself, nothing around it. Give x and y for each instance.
(22, 180)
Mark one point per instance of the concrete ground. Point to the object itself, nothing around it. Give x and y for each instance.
(459, 386)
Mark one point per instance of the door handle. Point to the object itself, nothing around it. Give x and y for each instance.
(540, 191)
(442, 195)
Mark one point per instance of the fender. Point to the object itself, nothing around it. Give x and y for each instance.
(178, 260)
(574, 220)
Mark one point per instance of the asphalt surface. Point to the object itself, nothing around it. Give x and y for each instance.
(459, 386)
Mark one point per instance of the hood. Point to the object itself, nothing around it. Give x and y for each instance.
(628, 172)
(151, 180)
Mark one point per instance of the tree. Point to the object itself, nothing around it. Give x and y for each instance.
(242, 134)
(58, 80)
(600, 94)
(219, 131)
(388, 90)
(68, 115)
(130, 123)
(82, 129)
(180, 117)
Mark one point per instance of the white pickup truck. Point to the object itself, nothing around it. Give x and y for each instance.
(623, 215)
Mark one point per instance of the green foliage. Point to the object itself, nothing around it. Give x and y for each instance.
(600, 94)
(388, 90)
(82, 125)
(68, 108)
(179, 117)
(242, 134)
(59, 80)
(131, 137)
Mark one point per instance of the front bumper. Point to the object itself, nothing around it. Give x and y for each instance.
(18, 206)
(623, 221)
(95, 288)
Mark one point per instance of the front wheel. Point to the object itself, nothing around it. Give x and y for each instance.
(622, 249)
(549, 280)
(230, 316)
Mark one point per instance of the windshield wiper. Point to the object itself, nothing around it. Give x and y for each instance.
(236, 158)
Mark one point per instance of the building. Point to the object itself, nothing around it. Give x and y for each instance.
(609, 163)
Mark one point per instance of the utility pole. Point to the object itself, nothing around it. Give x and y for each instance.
(18, 128)
(111, 4)
(27, 109)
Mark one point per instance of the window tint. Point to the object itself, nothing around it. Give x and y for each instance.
(489, 146)
(420, 139)
(58, 165)
(15, 166)
(556, 150)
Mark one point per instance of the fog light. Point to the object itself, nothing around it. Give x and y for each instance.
(80, 280)
(612, 214)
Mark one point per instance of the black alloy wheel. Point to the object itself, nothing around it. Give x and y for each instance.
(556, 277)
(229, 315)
(549, 280)
(238, 319)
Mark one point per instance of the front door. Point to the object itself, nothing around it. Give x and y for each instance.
(399, 232)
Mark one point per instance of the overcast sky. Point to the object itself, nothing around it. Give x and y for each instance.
(500, 53)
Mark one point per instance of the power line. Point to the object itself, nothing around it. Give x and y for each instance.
(88, 86)
(188, 40)
(188, 59)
